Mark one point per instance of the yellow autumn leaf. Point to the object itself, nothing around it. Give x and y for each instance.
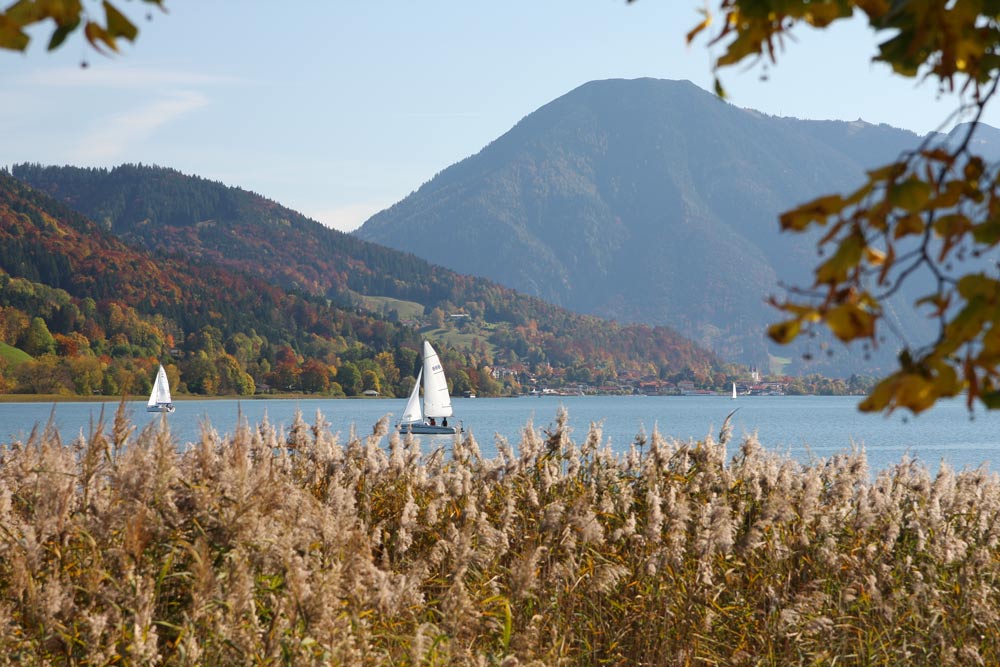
(945, 380)
(914, 392)
(11, 36)
(979, 285)
(950, 195)
(973, 169)
(908, 225)
(939, 300)
(911, 195)
(117, 24)
(937, 155)
(97, 35)
(901, 390)
(874, 8)
(784, 332)
(848, 321)
(802, 313)
(818, 210)
(847, 257)
(952, 225)
(822, 14)
(887, 172)
(701, 26)
(880, 396)
(965, 326)
(874, 256)
(988, 232)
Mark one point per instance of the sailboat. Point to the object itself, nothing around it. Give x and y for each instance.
(419, 418)
(734, 390)
(159, 398)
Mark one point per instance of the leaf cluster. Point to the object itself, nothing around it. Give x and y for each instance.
(927, 214)
(101, 32)
(952, 42)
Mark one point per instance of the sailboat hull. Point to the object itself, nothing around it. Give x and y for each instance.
(427, 429)
(160, 408)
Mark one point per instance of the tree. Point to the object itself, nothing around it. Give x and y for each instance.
(387, 367)
(349, 377)
(460, 382)
(935, 211)
(315, 377)
(437, 318)
(13, 324)
(232, 378)
(369, 381)
(37, 340)
(87, 374)
(200, 374)
(68, 16)
(45, 375)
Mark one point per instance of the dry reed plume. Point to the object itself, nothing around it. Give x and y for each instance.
(296, 549)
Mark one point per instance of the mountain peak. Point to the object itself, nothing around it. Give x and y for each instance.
(644, 200)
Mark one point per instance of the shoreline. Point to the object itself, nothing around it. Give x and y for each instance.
(62, 398)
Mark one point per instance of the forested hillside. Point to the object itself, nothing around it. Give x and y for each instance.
(234, 292)
(651, 201)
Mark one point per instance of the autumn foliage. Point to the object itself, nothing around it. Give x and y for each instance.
(97, 314)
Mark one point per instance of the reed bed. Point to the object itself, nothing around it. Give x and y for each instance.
(293, 548)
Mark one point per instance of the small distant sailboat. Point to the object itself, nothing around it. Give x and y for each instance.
(159, 398)
(437, 401)
(734, 390)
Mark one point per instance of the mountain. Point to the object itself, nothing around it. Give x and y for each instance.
(647, 201)
(380, 295)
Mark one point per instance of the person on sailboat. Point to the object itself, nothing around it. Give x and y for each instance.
(444, 422)
(433, 423)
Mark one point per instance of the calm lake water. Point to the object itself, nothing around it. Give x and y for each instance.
(805, 427)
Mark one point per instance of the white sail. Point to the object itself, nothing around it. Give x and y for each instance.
(437, 401)
(734, 390)
(161, 390)
(412, 414)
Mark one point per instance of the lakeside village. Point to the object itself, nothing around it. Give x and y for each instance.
(749, 382)
(754, 385)
(664, 388)
(656, 388)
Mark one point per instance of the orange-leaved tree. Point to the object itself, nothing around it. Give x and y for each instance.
(936, 210)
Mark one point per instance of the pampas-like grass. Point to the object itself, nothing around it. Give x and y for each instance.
(294, 548)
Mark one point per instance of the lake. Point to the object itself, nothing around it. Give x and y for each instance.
(803, 426)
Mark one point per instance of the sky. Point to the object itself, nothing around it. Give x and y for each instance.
(339, 109)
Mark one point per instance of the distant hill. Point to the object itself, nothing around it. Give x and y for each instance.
(377, 291)
(107, 312)
(648, 201)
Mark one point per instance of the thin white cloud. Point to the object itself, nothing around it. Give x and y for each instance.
(435, 114)
(122, 130)
(346, 218)
(124, 77)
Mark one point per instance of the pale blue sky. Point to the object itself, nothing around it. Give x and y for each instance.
(339, 109)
